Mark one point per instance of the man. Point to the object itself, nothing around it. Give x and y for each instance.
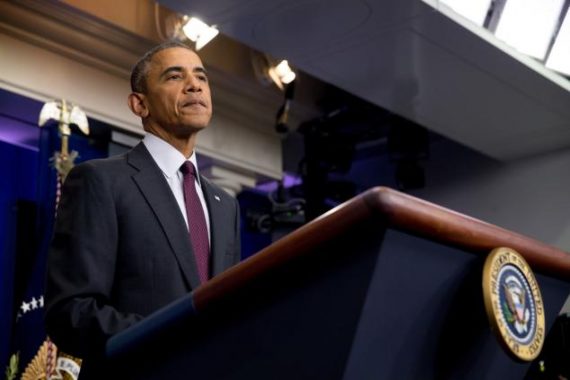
(133, 232)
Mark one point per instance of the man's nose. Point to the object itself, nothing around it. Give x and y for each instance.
(193, 84)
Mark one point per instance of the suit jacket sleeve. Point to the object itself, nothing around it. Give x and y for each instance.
(81, 265)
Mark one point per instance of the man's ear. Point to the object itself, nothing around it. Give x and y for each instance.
(137, 104)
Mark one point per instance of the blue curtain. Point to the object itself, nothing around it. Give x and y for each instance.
(34, 220)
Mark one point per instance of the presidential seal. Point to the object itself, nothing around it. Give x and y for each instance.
(513, 303)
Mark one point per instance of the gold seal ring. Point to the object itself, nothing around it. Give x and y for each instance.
(513, 303)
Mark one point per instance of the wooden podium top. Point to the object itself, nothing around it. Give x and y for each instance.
(395, 210)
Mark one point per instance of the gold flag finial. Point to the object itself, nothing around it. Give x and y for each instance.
(65, 114)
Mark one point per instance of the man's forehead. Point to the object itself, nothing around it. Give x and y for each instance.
(175, 56)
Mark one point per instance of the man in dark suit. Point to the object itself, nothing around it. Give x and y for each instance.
(124, 242)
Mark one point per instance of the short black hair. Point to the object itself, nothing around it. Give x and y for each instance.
(139, 72)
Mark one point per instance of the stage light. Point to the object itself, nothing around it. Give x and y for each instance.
(528, 25)
(559, 57)
(199, 32)
(282, 118)
(282, 74)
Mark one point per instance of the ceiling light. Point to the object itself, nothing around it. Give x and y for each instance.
(199, 32)
(559, 57)
(528, 25)
(282, 74)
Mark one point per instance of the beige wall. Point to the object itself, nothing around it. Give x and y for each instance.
(136, 16)
(73, 54)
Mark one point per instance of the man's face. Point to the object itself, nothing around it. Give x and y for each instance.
(178, 96)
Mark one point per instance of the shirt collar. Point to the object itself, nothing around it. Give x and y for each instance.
(167, 157)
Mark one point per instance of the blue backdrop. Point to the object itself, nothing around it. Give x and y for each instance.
(28, 186)
(16, 184)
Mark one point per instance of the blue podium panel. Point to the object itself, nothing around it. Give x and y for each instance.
(431, 322)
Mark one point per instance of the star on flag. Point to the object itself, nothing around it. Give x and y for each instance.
(32, 304)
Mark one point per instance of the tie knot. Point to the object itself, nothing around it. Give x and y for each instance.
(188, 168)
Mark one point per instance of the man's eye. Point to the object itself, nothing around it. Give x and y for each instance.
(203, 78)
(174, 77)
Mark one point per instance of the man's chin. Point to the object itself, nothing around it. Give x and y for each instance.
(197, 123)
(191, 128)
(197, 126)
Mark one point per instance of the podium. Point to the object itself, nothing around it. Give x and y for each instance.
(385, 286)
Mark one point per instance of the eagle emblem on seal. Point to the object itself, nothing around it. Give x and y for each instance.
(515, 309)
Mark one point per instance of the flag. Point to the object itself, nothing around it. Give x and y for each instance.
(33, 354)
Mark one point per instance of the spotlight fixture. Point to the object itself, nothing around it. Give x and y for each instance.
(198, 31)
(282, 119)
(282, 74)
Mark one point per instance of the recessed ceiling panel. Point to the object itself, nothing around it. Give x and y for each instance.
(301, 27)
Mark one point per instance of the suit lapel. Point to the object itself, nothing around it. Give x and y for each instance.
(154, 188)
(216, 211)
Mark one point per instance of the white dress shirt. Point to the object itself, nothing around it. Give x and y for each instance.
(169, 160)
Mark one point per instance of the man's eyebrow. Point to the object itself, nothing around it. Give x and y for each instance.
(176, 69)
(180, 69)
(200, 69)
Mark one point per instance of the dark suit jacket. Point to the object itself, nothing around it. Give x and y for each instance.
(121, 249)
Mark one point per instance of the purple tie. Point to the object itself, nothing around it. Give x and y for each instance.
(196, 221)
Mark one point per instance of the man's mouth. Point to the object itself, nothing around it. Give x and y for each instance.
(193, 103)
